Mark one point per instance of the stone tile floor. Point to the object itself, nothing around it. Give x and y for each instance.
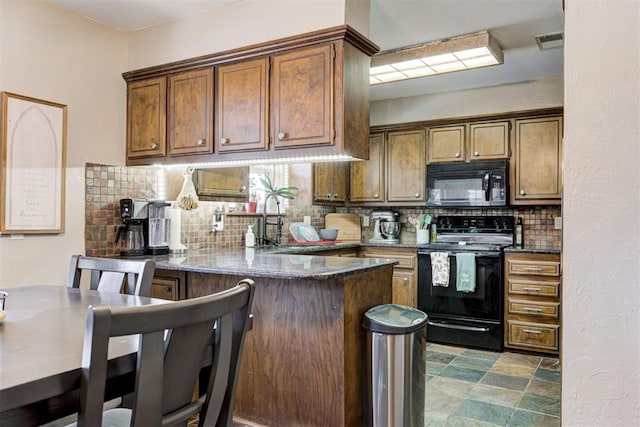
(475, 388)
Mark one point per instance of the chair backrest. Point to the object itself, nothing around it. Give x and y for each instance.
(175, 341)
(113, 275)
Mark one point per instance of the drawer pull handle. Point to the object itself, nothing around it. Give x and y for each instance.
(531, 331)
(532, 269)
(532, 289)
(537, 310)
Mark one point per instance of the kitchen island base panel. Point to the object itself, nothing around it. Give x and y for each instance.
(304, 362)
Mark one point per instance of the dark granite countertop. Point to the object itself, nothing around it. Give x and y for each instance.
(269, 263)
(532, 250)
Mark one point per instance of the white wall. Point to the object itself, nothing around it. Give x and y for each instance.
(232, 26)
(543, 93)
(601, 210)
(51, 54)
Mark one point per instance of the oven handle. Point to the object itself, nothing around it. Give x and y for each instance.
(461, 327)
(483, 254)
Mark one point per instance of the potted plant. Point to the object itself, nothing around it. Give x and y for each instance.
(275, 192)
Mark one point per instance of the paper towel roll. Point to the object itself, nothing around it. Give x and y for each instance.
(174, 215)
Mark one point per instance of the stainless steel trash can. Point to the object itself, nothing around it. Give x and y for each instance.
(396, 359)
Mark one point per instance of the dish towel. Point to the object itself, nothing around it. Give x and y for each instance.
(440, 269)
(465, 272)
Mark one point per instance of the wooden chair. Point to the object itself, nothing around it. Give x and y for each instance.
(109, 274)
(168, 364)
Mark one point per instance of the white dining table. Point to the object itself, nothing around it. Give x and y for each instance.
(41, 342)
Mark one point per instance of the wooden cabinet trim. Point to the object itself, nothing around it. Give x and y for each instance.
(302, 99)
(242, 106)
(190, 112)
(533, 267)
(146, 118)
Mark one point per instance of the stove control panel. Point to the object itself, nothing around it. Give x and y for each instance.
(476, 224)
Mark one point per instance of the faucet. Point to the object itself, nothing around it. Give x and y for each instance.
(278, 223)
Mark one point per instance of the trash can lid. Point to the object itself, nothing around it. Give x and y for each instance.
(394, 319)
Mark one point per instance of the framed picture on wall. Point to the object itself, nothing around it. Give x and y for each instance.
(32, 173)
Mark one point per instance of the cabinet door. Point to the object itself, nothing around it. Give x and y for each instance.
(241, 113)
(367, 176)
(406, 166)
(446, 144)
(329, 182)
(222, 183)
(537, 162)
(146, 118)
(191, 112)
(403, 286)
(489, 140)
(303, 97)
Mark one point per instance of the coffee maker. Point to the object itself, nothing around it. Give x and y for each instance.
(386, 228)
(134, 216)
(159, 228)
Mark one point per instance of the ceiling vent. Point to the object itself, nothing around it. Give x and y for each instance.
(549, 41)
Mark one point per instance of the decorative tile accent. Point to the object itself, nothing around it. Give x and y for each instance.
(473, 363)
(483, 411)
(544, 404)
(462, 374)
(550, 375)
(505, 381)
(522, 418)
(538, 227)
(105, 185)
(495, 395)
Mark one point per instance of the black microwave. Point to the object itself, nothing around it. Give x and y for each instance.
(468, 185)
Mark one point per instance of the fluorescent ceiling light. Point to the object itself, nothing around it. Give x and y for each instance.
(443, 56)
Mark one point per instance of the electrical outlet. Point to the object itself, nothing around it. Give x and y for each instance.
(557, 223)
(365, 220)
(307, 219)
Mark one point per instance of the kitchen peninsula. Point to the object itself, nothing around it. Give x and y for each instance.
(304, 360)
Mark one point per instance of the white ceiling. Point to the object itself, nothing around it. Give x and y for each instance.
(396, 23)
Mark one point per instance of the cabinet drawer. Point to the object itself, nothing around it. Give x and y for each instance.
(533, 335)
(404, 261)
(534, 287)
(164, 288)
(538, 268)
(534, 308)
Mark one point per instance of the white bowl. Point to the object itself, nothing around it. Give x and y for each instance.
(329, 233)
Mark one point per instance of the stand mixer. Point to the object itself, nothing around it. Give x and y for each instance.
(386, 228)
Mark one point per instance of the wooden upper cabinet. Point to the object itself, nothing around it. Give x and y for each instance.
(406, 166)
(242, 106)
(489, 141)
(330, 182)
(367, 176)
(146, 118)
(537, 161)
(222, 183)
(302, 96)
(446, 144)
(191, 112)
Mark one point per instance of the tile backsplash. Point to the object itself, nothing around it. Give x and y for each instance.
(106, 185)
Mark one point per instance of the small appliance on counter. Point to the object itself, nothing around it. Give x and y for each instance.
(386, 228)
(159, 228)
(134, 216)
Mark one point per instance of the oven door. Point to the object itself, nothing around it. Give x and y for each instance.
(485, 303)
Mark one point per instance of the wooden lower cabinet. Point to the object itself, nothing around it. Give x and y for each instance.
(405, 273)
(532, 302)
(169, 284)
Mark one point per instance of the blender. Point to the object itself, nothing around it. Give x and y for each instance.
(386, 228)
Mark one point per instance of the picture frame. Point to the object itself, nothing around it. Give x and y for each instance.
(33, 144)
